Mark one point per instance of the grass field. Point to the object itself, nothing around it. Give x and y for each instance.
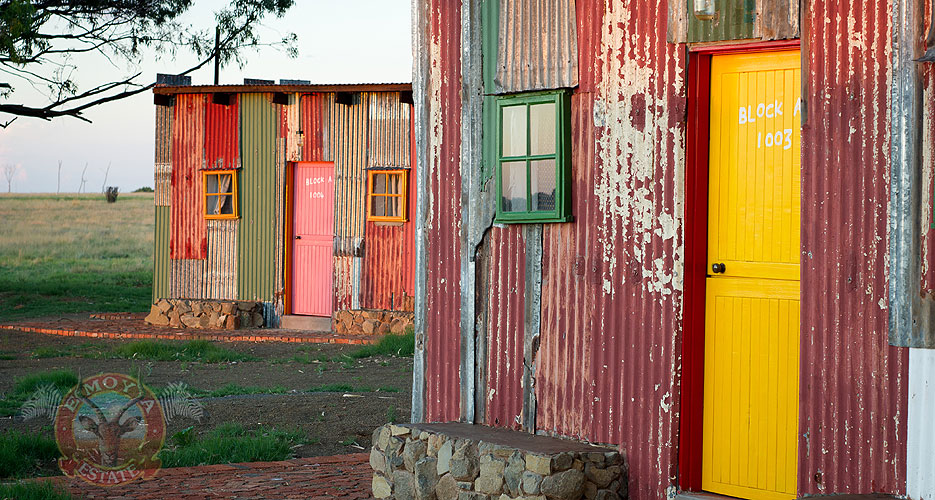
(70, 253)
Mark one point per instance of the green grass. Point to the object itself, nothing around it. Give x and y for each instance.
(24, 387)
(235, 390)
(20, 453)
(34, 490)
(232, 443)
(63, 254)
(192, 350)
(390, 345)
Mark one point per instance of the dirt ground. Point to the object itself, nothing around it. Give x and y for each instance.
(340, 422)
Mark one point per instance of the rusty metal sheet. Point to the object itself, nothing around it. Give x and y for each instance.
(163, 160)
(186, 280)
(288, 145)
(443, 259)
(344, 288)
(777, 19)
(189, 236)
(505, 328)
(928, 178)
(222, 135)
(316, 126)
(853, 384)
(221, 266)
(388, 142)
(386, 272)
(348, 143)
(538, 46)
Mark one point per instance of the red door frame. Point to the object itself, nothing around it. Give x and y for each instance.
(691, 430)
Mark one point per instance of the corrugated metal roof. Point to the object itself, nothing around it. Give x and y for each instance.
(256, 243)
(258, 89)
(189, 238)
(538, 46)
(853, 384)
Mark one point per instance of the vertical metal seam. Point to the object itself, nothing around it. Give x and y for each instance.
(420, 70)
(532, 305)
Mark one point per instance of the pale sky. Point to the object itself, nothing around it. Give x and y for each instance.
(347, 41)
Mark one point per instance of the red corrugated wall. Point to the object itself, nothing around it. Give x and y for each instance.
(853, 403)
(315, 124)
(188, 232)
(222, 135)
(443, 260)
(506, 327)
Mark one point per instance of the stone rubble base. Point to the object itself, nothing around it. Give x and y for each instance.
(371, 322)
(409, 463)
(206, 314)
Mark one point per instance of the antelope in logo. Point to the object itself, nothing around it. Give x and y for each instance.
(109, 431)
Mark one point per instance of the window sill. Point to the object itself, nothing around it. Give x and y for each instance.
(535, 220)
(225, 217)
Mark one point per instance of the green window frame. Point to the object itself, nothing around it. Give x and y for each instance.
(526, 164)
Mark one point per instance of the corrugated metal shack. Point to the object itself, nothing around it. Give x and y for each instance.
(248, 148)
(595, 327)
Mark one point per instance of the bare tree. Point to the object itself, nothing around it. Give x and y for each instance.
(83, 180)
(39, 39)
(9, 171)
(106, 173)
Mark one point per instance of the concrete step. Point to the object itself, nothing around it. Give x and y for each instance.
(307, 323)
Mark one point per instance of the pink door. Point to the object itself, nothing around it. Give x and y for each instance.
(313, 229)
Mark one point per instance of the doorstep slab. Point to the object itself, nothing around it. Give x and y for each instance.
(307, 323)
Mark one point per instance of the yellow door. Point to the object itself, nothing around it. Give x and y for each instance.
(751, 401)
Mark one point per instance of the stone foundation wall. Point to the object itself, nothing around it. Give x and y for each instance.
(371, 322)
(412, 464)
(206, 314)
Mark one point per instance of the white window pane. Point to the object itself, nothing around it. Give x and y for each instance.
(224, 183)
(378, 206)
(212, 183)
(513, 182)
(379, 183)
(543, 185)
(542, 128)
(514, 131)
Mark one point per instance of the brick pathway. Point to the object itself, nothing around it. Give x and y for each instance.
(132, 326)
(340, 476)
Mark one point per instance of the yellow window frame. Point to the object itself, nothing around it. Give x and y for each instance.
(402, 195)
(232, 193)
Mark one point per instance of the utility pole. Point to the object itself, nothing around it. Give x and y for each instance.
(58, 185)
(217, 58)
(83, 180)
(106, 173)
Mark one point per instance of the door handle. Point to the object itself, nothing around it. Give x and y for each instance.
(718, 268)
(298, 237)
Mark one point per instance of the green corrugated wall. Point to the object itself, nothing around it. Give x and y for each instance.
(161, 263)
(256, 244)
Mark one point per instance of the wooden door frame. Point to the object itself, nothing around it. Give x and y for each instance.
(691, 399)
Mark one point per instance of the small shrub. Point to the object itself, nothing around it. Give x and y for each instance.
(111, 194)
(34, 490)
(21, 453)
(390, 345)
(144, 189)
